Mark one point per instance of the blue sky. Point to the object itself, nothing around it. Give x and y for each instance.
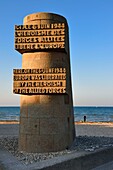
(91, 46)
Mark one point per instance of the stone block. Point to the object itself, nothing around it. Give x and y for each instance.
(29, 126)
(22, 142)
(61, 142)
(42, 143)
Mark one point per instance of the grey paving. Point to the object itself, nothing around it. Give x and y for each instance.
(107, 166)
(8, 161)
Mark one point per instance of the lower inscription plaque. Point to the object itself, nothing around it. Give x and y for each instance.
(39, 81)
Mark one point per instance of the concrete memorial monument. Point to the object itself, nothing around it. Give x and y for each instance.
(44, 83)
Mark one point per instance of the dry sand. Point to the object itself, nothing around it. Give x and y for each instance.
(10, 128)
(94, 129)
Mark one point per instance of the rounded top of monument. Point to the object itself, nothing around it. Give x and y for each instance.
(44, 16)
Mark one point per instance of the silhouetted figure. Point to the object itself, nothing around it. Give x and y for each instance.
(84, 118)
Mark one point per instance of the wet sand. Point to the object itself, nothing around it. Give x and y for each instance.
(76, 123)
(95, 123)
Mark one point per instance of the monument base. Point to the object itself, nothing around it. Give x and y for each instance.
(45, 127)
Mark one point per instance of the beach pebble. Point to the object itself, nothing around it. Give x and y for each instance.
(81, 143)
(90, 149)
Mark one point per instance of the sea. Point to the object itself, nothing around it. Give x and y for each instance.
(93, 114)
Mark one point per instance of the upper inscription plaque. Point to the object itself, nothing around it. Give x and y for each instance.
(40, 37)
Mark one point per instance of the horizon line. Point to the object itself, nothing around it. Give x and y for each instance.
(73, 106)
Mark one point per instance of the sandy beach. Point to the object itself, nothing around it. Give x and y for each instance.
(94, 129)
(82, 129)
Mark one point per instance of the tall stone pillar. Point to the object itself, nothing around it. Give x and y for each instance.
(44, 82)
